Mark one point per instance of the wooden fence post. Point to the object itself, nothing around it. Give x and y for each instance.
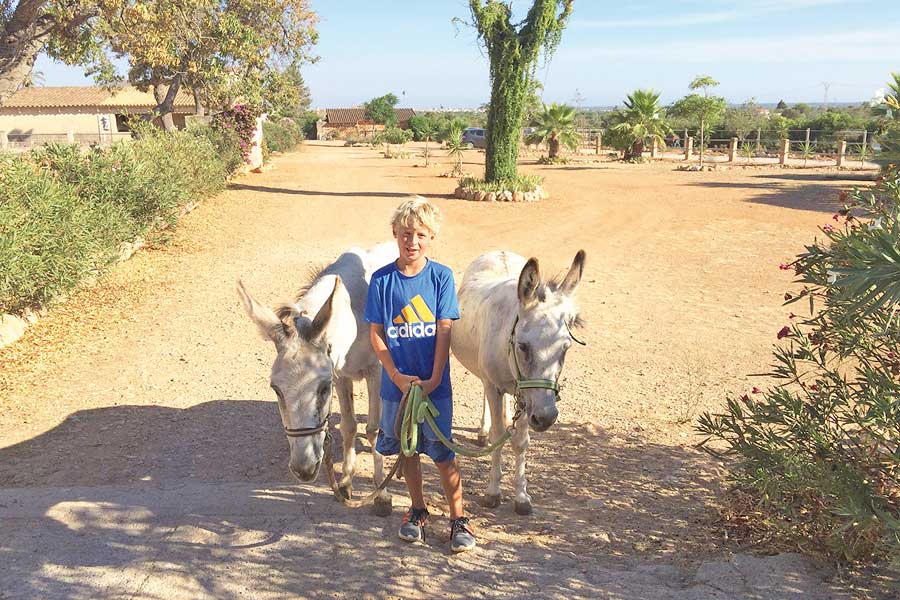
(4, 141)
(654, 149)
(842, 152)
(732, 150)
(688, 148)
(785, 151)
(598, 143)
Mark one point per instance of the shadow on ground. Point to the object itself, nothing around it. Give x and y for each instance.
(820, 198)
(277, 190)
(158, 502)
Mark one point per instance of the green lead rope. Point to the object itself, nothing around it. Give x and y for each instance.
(419, 409)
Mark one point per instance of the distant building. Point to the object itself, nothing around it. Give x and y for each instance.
(35, 115)
(341, 122)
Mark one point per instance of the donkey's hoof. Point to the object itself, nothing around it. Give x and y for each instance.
(523, 508)
(346, 490)
(383, 506)
(482, 440)
(490, 500)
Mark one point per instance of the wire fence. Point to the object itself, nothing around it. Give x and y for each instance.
(840, 147)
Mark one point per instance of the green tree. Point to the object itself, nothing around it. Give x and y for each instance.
(228, 50)
(381, 109)
(889, 130)
(62, 28)
(285, 93)
(706, 109)
(642, 122)
(513, 51)
(555, 126)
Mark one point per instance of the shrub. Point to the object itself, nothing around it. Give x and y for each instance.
(282, 136)
(226, 143)
(522, 183)
(64, 211)
(821, 449)
(393, 135)
(49, 240)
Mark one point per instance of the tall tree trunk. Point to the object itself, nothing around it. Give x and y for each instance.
(508, 91)
(199, 110)
(21, 41)
(702, 140)
(553, 145)
(165, 101)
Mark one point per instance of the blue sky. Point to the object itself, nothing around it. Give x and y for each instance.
(764, 49)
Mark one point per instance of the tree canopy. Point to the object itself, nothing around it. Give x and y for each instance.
(381, 109)
(222, 50)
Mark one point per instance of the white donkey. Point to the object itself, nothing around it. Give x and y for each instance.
(513, 334)
(322, 342)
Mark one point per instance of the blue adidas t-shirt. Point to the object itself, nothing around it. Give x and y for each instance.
(409, 308)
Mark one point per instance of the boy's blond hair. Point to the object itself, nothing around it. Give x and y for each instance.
(417, 211)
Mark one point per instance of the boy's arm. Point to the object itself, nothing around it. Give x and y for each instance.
(376, 337)
(441, 356)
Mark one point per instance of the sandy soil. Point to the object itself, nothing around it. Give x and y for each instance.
(140, 448)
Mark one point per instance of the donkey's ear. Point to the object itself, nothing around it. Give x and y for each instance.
(574, 275)
(529, 281)
(270, 326)
(317, 328)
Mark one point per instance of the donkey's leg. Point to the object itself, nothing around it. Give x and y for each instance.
(520, 441)
(382, 506)
(348, 433)
(495, 400)
(485, 423)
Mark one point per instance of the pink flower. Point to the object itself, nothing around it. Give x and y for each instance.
(756, 390)
(784, 332)
(836, 216)
(814, 387)
(745, 398)
(785, 267)
(787, 296)
(827, 228)
(792, 316)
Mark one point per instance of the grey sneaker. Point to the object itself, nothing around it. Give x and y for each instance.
(412, 529)
(462, 537)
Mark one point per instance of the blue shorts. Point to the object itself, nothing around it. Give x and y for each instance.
(388, 445)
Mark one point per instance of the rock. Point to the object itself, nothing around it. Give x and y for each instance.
(491, 197)
(480, 196)
(518, 197)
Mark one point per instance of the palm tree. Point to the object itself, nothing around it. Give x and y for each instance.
(642, 122)
(555, 126)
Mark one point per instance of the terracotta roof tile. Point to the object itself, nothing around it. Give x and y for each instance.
(352, 116)
(86, 96)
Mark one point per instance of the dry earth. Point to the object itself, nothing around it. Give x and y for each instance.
(140, 448)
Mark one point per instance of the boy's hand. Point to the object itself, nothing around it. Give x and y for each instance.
(404, 381)
(429, 386)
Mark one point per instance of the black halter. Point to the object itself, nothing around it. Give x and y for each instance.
(305, 431)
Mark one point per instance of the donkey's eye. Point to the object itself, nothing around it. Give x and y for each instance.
(324, 389)
(277, 393)
(525, 349)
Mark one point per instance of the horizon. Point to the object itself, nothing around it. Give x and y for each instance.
(806, 48)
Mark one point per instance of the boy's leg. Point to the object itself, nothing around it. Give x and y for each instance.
(452, 484)
(412, 473)
(462, 538)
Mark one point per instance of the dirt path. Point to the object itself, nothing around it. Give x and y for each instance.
(140, 448)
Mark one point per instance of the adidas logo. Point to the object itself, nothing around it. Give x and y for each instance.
(415, 321)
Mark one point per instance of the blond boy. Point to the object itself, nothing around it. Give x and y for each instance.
(410, 307)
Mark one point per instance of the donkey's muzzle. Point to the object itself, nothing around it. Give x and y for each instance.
(541, 421)
(305, 472)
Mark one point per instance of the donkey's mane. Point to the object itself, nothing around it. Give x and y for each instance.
(287, 311)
